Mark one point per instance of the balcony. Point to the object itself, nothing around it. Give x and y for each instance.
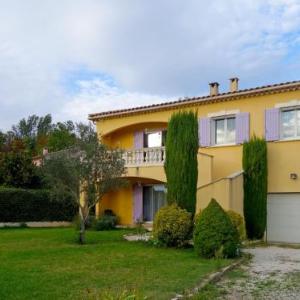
(145, 156)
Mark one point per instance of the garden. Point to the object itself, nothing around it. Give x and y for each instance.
(94, 261)
(50, 264)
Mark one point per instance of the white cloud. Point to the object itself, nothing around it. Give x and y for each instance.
(150, 48)
(99, 95)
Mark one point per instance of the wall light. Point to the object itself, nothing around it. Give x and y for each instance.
(293, 176)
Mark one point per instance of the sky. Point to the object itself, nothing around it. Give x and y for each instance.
(75, 57)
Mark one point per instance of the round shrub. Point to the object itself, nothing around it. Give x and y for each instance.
(238, 222)
(172, 226)
(214, 233)
(105, 222)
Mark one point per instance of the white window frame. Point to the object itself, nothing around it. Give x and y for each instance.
(283, 109)
(213, 129)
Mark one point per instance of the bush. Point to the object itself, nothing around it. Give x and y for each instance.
(238, 222)
(107, 221)
(22, 205)
(214, 233)
(172, 226)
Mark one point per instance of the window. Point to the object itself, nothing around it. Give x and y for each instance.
(154, 197)
(154, 139)
(224, 130)
(290, 123)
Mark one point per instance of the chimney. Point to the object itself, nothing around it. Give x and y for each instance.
(214, 88)
(234, 84)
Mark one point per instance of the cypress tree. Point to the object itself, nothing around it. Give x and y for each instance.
(181, 165)
(255, 187)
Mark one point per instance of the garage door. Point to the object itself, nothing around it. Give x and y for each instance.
(283, 222)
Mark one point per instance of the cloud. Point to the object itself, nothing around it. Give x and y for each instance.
(153, 50)
(101, 95)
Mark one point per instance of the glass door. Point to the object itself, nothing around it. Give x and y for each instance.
(154, 197)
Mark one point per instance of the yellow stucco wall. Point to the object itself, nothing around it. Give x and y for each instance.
(227, 191)
(283, 156)
(120, 202)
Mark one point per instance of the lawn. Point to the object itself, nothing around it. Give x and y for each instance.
(48, 264)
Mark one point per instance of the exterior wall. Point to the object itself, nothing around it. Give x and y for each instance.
(219, 161)
(218, 190)
(227, 191)
(120, 202)
(228, 159)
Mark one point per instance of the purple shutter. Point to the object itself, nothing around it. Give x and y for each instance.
(138, 139)
(137, 203)
(204, 132)
(242, 127)
(272, 124)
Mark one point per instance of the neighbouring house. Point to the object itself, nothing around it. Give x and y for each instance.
(226, 120)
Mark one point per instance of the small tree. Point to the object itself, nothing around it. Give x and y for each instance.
(87, 172)
(181, 164)
(255, 187)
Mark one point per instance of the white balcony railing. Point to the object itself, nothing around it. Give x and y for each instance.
(145, 156)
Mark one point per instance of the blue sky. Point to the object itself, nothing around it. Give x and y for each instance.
(71, 58)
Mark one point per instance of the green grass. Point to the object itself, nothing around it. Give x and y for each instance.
(49, 264)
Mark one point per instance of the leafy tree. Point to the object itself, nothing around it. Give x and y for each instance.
(63, 136)
(87, 171)
(255, 187)
(17, 170)
(181, 164)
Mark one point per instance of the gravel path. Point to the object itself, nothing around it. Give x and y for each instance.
(273, 273)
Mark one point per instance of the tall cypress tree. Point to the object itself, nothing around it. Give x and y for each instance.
(181, 165)
(255, 167)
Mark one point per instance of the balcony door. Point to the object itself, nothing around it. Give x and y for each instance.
(154, 197)
(154, 139)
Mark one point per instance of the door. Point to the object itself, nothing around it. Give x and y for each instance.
(283, 219)
(154, 197)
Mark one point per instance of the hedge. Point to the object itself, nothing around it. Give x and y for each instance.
(24, 205)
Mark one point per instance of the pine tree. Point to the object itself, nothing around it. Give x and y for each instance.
(181, 165)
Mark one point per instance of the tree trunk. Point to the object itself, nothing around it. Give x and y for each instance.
(82, 227)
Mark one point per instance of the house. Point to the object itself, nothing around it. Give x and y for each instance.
(226, 120)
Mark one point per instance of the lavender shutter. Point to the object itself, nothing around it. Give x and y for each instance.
(272, 124)
(242, 127)
(204, 132)
(138, 139)
(137, 203)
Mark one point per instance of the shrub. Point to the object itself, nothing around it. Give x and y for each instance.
(107, 221)
(214, 233)
(181, 165)
(255, 187)
(172, 226)
(23, 205)
(238, 222)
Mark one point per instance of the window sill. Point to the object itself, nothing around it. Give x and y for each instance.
(223, 145)
(288, 140)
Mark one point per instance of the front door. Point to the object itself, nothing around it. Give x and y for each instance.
(154, 197)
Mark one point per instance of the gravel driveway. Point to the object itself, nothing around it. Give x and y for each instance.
(273, 273)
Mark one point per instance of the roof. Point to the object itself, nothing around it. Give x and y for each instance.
(251, 92)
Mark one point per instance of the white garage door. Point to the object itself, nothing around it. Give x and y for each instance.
(283, 221)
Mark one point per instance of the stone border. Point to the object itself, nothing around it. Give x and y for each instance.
(36, 224)
(212, 278)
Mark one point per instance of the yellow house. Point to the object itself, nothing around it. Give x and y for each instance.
(226, 120)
